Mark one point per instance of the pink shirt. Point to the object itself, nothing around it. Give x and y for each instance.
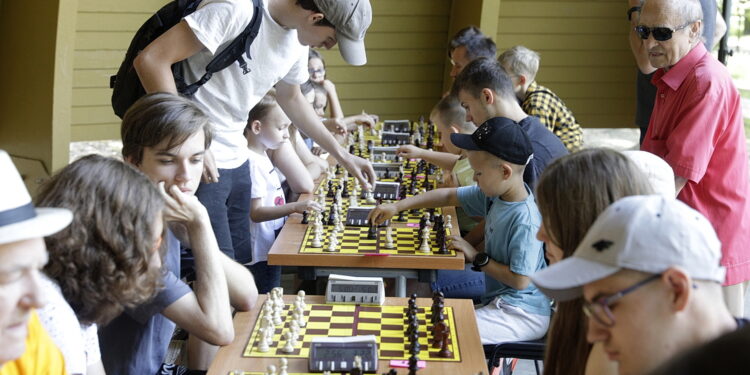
(697, 128)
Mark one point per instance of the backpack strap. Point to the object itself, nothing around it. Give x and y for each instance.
(233, 52)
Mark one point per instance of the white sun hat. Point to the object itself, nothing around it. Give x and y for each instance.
(19, 219)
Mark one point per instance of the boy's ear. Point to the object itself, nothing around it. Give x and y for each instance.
(255, 127)
(488, 96)
(522, 80)
(507, 170)
(129, 159)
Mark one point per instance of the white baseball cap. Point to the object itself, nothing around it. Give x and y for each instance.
(648, 233)
(19, 220)
(351, 19)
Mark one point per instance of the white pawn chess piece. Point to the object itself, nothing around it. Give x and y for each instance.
(316, 240)
(271, 370)
(283, 366)
(262, 342)
(301, 317)
(383, 158)
(301, 298)
(331, 243)
(289, 345)
(448, 222)
(369, 198)
(389, 238)
(353, 200)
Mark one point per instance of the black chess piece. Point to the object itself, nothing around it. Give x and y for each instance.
(351, 149)
(413, 365)
(399, 177)
(401, 216)
(387, 173)
(442, 247)
(345, 190)
(330, 189)
(304, 217)
(331, 215)
(372, 233)
(391, 372)
(338, 169)
(437, 313)
(415, 347)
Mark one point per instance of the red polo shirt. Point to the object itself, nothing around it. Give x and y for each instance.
(697, 128)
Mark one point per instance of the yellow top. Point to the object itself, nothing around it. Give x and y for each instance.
(40, 357)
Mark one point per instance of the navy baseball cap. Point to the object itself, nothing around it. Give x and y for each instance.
(500, 136)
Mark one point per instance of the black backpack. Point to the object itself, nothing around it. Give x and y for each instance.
(126, 84)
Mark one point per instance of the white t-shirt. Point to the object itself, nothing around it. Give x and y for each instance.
(79, 344)
(229, 95)
(267, 187)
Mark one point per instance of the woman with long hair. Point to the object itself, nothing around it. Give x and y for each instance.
(570, 194)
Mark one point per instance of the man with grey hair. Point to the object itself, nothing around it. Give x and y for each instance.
(714, 28)
(697, 128)
(468, 44)
(522, 65)
(649, 274)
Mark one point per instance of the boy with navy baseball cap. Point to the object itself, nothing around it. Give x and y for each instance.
(513, 308)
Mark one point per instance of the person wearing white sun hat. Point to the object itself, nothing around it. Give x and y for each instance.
(25, 347)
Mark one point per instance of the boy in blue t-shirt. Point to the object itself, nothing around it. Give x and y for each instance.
(513, 308)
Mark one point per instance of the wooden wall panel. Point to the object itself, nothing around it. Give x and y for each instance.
(403, 77)
(584, 50)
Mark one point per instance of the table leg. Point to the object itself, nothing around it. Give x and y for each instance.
(400, 286)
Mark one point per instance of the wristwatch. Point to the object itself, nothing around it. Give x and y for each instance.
(480, 260)
(631, 10)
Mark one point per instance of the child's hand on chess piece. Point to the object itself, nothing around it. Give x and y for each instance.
(409, 152)
(382, 212)
(307, 205)
(459, 244)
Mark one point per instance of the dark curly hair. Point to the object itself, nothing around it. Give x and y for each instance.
(101, 260)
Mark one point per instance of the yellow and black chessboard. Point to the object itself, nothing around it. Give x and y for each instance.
(354, 240)
(387, 323)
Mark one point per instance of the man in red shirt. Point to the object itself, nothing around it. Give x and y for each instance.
(697, 128)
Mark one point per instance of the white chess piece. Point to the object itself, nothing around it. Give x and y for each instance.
(369, 198)
(448, 222)
(271, 370)
(427, 220)
(353, 200)
(316, 240)
(301, 317)
(301, 298)
(389, 238)
(383, 158)
(425, 247)
(289, 345)
(331, 243)
(262, 342)
(283, 366)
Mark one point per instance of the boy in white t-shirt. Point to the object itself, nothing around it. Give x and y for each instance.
(268, 128)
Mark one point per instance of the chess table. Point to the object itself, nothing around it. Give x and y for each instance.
(386, 322)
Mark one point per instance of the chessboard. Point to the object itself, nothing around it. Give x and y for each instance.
(387, 323)
(354, 240)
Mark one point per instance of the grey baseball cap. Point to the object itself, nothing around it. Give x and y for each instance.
(647, 233)
(351, 19)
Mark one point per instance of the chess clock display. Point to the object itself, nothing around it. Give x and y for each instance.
(339, 354)
(355, 290)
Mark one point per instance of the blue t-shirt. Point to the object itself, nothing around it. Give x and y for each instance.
(510, 238)
(546, 145)
(136, 342)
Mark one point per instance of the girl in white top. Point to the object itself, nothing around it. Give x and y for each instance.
(106, 260)
(268, 129)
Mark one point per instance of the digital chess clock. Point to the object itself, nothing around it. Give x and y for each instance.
(337, 354)
(355, 290)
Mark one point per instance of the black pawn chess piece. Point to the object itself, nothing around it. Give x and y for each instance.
(351, 149)
(304, 217)
(401, 216)
(415, 347)
(331, 215)
(387, 173)
(372, 233)
(345, 190)
(391, 372)
(330, 189)
(338, 169)
(399, 177)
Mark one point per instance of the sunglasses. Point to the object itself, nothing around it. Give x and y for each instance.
(660, 34)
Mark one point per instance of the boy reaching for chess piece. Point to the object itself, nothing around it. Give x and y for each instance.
(513, 308)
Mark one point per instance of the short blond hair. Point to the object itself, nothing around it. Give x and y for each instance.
(520, 60)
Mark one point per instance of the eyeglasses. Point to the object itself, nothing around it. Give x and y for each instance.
(599, 309)
(313, 71)
(661, 34)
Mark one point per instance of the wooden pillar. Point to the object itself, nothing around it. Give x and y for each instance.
(37, 65)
